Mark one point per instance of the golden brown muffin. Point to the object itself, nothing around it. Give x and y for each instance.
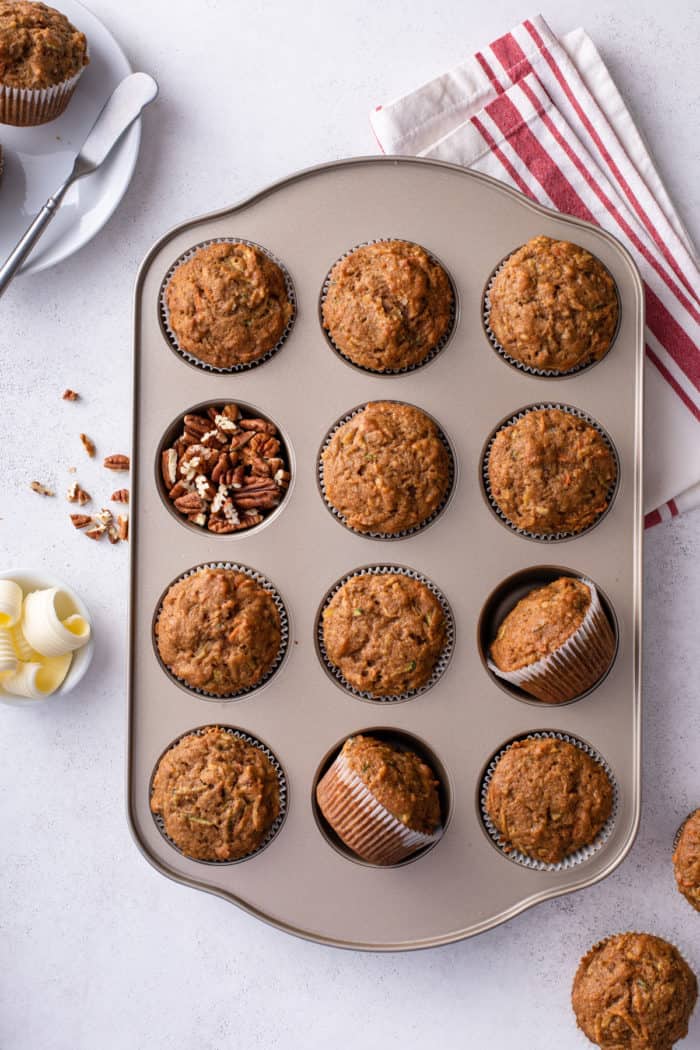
(38, 46)
(399, 780)
(548, 798)
(634, 991)
(219, 631)
(553, 306)
(228, 304)
(686, 860)
(386, 470)
(388, 305)
(384, 633)
(540, 623)
(217, 795)
(551, 472)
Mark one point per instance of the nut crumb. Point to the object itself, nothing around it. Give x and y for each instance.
(72, 470)
(36, 486)
(88, 445)
(70, 395)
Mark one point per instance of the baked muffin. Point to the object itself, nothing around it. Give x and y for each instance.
(384, 633)
(381, 800)
(556, 643)
(388, 305)
(386, 470)
(228, 304)
(217, 795)
(551, 472)
(41, 57)
(553, 306)
(548, 798)
(218, 631)
(634, 991)
(686, 860)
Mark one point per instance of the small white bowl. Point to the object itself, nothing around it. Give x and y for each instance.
(29, 580)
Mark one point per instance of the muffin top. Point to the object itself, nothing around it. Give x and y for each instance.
(553, 306)
(399, 780)
(686, 860)
(388, 305)
(386, 469)
(551, 472)
(548, 798)
(540, 623)
(634, 991)
(217, 795)
(218, 630)
(384, 633)
(38, 46)
(228, 304)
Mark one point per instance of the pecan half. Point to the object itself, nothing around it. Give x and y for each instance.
(118, 462)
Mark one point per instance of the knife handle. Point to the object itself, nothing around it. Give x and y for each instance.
(23, 247)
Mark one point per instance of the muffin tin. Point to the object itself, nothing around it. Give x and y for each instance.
(302, 881)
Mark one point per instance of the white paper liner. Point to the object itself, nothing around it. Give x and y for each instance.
(573, 859)
(264, 582)
(442, 662)
(196, 361)
(28, 107)
(573, 668)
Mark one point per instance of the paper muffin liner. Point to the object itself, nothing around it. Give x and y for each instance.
(274, 667)
(196, 361)
(548, 537)
(576, 666)
(364, 824)
(544, 373)
(442, 661)
(431, 355)
(281, 782)
(452, 472)
(572, 859)
(27, 107)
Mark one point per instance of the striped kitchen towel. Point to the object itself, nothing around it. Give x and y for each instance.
(544, 115)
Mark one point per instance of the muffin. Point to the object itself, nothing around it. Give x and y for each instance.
(217, 795)
(387, 305)
(41, 58)
(228, 304)
(218, 631)
(634, 991)
(556, 643)
(386, 469)
(384, 633)
(548, 799)
(553, 306)
(381, 800)
(686, 860)
(551, 472)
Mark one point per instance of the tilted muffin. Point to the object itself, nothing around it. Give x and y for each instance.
(686, 860)
(219, 631)
(550, 471)
(384, 633)
(634, 991)
(556, 643)
(381, 800)
(41, 58)
(387, 305)
(553, 306)
(217, 795)
(386, 470)
(228, 304)
(548, 798)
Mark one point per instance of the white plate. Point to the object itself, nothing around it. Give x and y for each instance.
(38, 159)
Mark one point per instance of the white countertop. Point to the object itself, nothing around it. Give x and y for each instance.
(96, 948)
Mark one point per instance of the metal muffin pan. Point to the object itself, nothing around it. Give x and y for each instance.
(301, 882)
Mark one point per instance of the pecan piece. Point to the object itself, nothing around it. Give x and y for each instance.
(76, 494)
(168, 466)
(221, 526)
(70, 395)
(96, 532)
(42, 490)
(80, 521)
(260, 425)
(117, 462)
(123, 526)
(113, 534)
(88, 445)
(191, 503)
(120, 496)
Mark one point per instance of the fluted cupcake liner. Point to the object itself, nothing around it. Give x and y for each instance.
(27, 107)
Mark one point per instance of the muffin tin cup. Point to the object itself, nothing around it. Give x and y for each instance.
(389, 372)
(573, 668)
(548, 537)
(281, 781)
(363, 823)
(452, 477)
(442, 662)
(27, 107)
(198, 362)
(284, 630)
(573, 859)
